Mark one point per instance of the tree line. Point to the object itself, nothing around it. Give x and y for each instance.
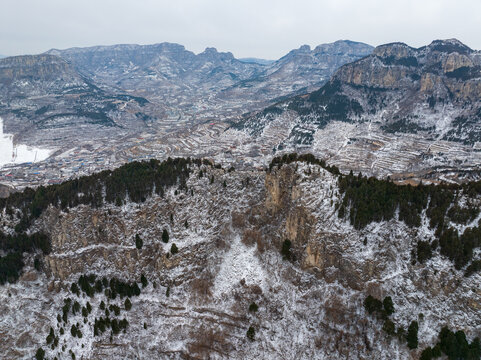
(135, 181)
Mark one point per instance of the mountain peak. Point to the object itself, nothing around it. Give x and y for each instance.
(345, 46)
(212, 52)
(304, 48)
(449, 46)
(395, 49)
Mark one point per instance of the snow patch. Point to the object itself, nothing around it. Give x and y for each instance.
(17, 154)
(239, 263)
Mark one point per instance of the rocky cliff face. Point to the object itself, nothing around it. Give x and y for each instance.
(434, 89)
(196, 302)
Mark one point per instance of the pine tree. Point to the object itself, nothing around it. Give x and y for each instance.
(251, 333)
(173, 249)
(412, 335)
(388, 305)
(40, 354)
(165, 236)
(143, 280)
(138, 242)
(286, 249)
(127, 304)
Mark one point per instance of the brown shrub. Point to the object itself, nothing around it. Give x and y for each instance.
(256, 289)
(208, 341)
(260, 245)
(201, 287)
(238, 220)
(251, 237)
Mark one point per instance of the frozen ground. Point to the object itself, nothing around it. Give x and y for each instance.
(11, 153)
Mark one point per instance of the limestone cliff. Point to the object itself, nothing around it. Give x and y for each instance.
(196, 302)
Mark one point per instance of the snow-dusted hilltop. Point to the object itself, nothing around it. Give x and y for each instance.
(228, 264)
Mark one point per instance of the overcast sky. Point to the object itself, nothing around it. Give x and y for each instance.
(247, 28)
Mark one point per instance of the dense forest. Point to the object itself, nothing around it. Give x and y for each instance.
(367, 200)
(135, 181)
(87, 288)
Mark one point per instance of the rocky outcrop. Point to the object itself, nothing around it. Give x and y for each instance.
(377, 261)
(196, 302)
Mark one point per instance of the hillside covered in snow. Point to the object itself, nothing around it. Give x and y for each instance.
(185, 259)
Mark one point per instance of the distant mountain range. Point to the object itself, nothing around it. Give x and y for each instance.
(90, 86)
(434, 90)
(169, 73)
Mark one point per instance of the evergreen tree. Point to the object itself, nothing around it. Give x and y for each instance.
(51, 336)
(427, 354)
(74, 289)
(388, 305)
(37, 264)
(412, 335)
(389, 327)
(40, 354)
(371, 304)
(173, 249)
(286, 249)
(138, 242)
(127, 304)
(251, 333)
(143, 280)
(165, 236)
(73, 330)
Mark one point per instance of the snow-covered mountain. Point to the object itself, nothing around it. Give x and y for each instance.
(171, 74)
(267, 251)
(42, 95)
(300, 71)
(159, 69)
(434, 90)
(398, 110)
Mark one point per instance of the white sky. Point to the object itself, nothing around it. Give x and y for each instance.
(247, 28)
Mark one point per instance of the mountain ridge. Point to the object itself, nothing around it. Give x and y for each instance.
(444, 71)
